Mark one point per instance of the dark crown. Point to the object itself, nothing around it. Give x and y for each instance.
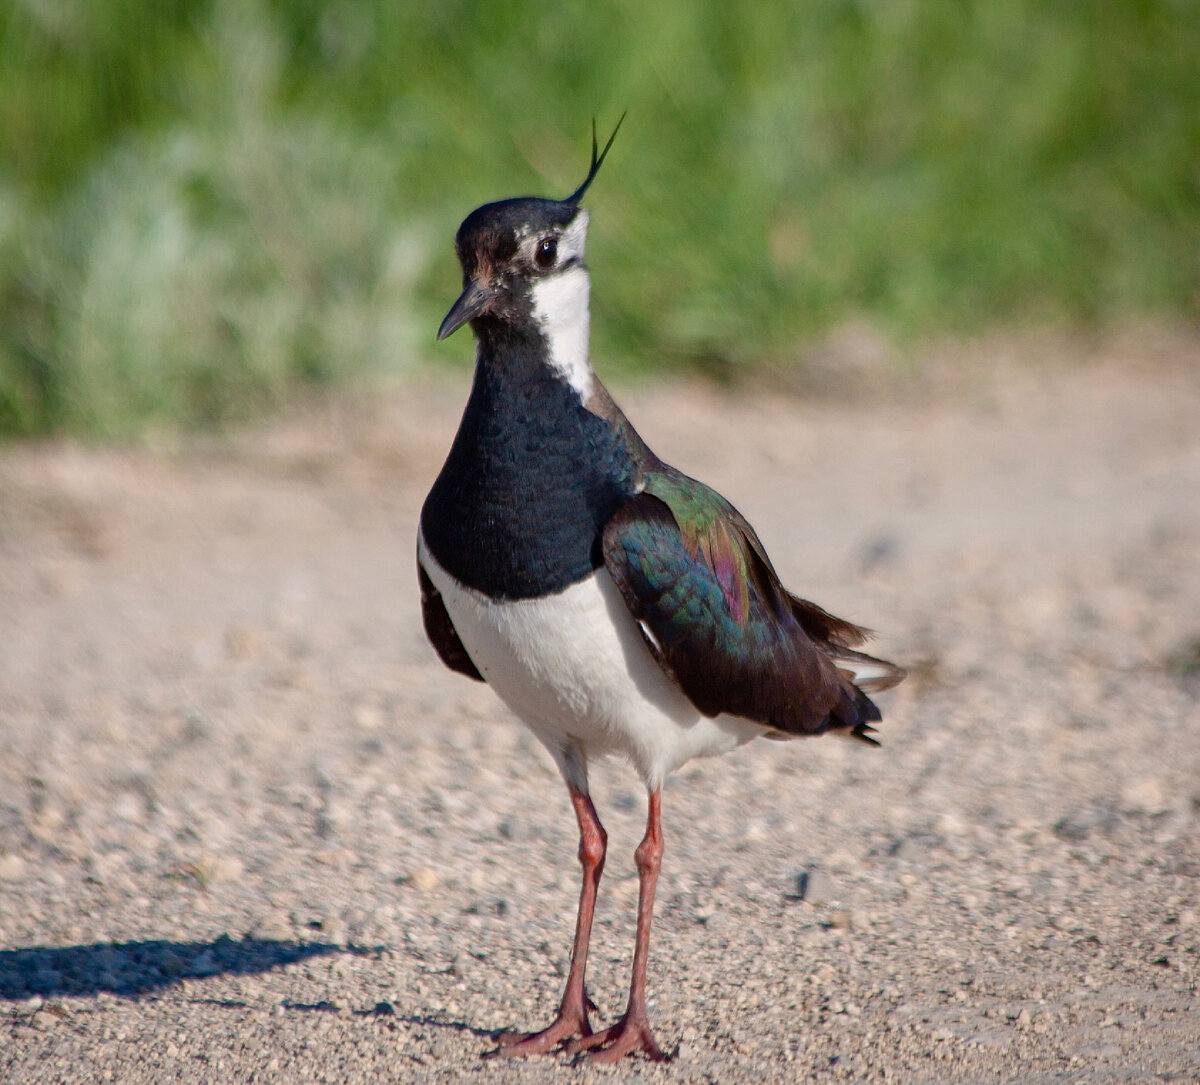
(523, 214)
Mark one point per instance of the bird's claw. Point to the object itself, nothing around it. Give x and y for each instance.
(625, 1037)
(567, 1026)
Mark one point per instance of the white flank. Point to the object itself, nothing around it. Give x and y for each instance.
(560, 306)
(575, 669)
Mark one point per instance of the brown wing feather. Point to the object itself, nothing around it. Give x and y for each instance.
(440, 629)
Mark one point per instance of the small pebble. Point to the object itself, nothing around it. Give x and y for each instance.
(12, 867)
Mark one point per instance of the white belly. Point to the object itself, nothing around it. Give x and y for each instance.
(575, 669)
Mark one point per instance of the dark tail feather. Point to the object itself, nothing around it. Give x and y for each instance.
(863, 732)
(865, 712)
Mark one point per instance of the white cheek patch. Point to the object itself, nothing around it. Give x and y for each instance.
(573, 239)
(560, 306)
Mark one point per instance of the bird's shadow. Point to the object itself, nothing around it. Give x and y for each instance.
(130, 969)
(386, 1010)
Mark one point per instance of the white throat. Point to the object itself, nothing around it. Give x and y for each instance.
(560, 306)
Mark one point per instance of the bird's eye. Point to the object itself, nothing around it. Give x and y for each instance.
(547, 250)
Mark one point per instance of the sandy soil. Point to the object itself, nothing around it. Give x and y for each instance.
(251, 830)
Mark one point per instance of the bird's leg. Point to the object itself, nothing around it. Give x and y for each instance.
(632, 1031)
(572, 1019)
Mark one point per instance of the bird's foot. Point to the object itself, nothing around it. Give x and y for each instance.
(629, 1034)
(568, 1024)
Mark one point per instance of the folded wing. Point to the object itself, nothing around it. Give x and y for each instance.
(717, 619)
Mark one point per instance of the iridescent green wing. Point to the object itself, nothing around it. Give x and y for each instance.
(713, 612)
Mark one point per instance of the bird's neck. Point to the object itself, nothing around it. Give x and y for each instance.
(560, 312)
(533, 475)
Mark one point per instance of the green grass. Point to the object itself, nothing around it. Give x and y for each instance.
(205, 206)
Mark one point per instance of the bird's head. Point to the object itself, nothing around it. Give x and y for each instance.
(522, 260)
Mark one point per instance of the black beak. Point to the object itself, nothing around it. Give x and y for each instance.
(472, 302)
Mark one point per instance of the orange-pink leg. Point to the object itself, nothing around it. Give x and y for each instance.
(632, 1032)
(572, 1019)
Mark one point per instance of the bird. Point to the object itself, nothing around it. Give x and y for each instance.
(613, 603)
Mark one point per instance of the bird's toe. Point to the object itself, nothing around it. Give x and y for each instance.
(628, 1036)
(564, 1027)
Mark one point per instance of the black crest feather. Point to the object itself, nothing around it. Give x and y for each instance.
(597, 162)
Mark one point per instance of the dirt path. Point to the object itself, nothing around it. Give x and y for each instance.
(250, 830)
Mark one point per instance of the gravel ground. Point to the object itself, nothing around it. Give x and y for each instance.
(250, 830)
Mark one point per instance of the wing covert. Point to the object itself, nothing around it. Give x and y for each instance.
(714, 614)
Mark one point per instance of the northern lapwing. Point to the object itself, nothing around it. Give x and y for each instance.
(614, 604)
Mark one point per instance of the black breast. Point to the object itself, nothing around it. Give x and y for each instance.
(530, 481)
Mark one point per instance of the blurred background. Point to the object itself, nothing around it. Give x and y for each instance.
(209, 206)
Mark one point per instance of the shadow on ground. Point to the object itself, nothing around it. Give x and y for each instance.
(134, 968)
(386, 1009)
